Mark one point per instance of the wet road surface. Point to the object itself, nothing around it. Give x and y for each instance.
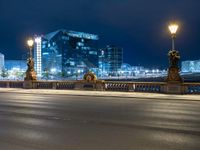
(62, 122)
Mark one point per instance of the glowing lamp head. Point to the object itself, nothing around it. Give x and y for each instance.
(173, 28)
(30, 43)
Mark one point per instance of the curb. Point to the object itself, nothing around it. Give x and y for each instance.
(93, 95)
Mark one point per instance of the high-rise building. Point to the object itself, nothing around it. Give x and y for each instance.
(190, 66)
(66, 51)
(37, 55)
(111, 59)
(1, 61)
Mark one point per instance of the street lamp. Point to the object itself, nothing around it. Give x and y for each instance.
(173, 29)
(174, 57)
(30, 45)
(30, 72)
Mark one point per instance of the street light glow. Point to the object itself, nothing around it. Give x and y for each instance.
(30, 42)
(173, 28)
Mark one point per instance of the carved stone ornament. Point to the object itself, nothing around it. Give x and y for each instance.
(30, 72)
(173, 75)
(90, 77)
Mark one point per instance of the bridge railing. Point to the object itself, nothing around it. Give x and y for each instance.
(54, 84)
(150, 87)
(154, 87)
(11, 84)
(192, 88)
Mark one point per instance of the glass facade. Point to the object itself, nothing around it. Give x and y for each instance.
(111, 59)
(1, 61)
(190, 66)
(37, 54)
(68, 52)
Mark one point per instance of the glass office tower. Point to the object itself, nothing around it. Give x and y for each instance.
(1, 61)
(68, 52)
(110, 60)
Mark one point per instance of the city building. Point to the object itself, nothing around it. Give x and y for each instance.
(111, 60)
(66, 52)
(16, 65)
(190, 66)
(15, 69)
(1, 61)
(37, 56)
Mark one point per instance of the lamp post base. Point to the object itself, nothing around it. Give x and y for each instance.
(174, 82)
(174, 88)
(30, 72)
(30, 75)
(173, 75)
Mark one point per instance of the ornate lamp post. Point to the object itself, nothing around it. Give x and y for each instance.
(30, 45)
(174, 57)
(30, 72)
(173, 29)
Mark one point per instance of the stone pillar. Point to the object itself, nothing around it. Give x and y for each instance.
(28, 84)
(174, 75)
(174, 88)
(7, 84)
(54, 85)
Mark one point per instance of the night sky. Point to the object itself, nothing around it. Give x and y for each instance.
(139, 26)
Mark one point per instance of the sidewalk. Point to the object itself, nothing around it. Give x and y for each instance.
(103, 94)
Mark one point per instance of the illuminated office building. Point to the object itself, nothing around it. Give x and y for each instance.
(190, 66)
(66, 52)
(1, 61)
(37, 55)
(111, 59)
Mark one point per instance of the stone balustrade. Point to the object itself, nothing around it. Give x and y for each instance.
(191, 88)
(149, 87)
(11, 84)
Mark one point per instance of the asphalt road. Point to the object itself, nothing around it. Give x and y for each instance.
(61, 122)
